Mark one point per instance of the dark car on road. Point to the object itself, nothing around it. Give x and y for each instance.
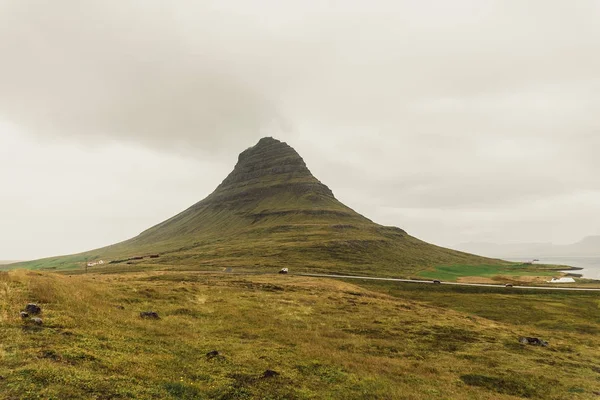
(436, 281)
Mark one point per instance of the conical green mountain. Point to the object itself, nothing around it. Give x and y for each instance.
(271, 212)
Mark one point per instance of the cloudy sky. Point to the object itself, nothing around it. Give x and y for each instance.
(463, 120)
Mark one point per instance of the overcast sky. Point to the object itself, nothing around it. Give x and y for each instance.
(463, 120)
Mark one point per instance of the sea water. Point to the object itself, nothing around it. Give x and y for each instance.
(590, 265)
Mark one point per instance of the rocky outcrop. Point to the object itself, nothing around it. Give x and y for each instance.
(263, 170)
(33, 309)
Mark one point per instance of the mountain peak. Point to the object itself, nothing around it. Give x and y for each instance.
(272, 148)
(264, 169)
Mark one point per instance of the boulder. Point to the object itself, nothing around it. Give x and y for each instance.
(212, 354)
(24, 315)
(37, 321)
(149, 315)
(533, 341)
(270, 373)
(33, 309)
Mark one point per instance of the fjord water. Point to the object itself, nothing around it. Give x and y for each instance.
(590, 265)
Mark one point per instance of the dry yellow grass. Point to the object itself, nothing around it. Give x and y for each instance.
(325, 338)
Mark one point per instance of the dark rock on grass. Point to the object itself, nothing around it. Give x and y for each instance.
(50, 354)
(37, 321)
(270, 374)
(33, 309)
(121, 307)
(149, 315)
(533, 341)
(212, 354)
(215, 355)
(24, 315)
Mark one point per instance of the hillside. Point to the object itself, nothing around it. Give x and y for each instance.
(587, 247)
(324, 339)
(271, 212)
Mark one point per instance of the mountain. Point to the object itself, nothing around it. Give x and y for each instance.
(587, 247)
(271, 212)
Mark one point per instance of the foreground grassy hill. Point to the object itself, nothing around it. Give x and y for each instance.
(323, 338)
(271, 212)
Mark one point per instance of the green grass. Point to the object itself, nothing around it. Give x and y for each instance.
(326, 339)
(454, 272)
(577, 312)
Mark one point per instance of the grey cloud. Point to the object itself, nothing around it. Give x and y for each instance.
(208, 73)
(116, 70)
(477, 107)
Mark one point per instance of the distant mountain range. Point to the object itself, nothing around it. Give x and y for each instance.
(589, 246)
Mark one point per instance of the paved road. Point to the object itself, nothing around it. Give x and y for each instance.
(448, 283)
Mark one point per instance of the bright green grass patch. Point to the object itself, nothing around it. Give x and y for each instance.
(453, 272)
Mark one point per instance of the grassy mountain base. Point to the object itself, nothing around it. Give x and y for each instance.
(325, 339)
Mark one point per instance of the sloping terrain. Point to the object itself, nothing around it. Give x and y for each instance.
(324, 339)
(271, 212)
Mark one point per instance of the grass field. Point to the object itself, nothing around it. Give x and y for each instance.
(325, 338)
(499, 272)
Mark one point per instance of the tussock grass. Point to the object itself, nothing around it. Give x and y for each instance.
(325, 338)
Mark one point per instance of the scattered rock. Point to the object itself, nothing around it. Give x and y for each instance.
(121, 307)
(37, 321)
(2, 377)
(33, 308)
(50, 354)
(24, 315)
(212, 354)
(149, 315)
(533, 341)
(270, 373)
